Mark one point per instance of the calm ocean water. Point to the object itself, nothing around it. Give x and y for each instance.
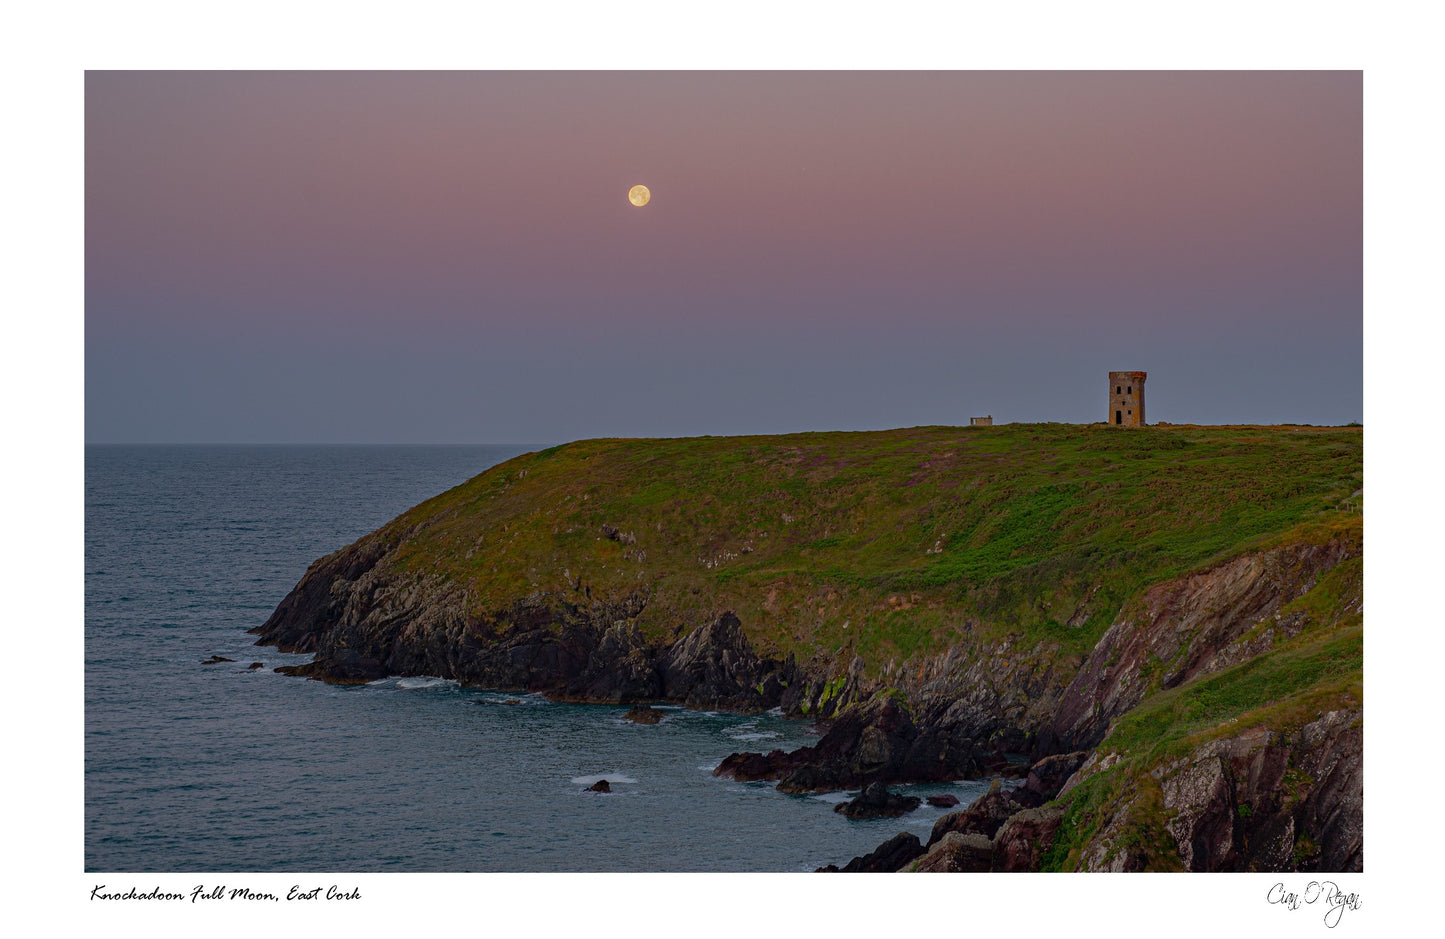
(192, 767)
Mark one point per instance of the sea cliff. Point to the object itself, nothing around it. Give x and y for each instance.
(1159, 628)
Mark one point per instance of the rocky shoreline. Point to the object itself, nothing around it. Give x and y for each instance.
(1233, 808)
(1266, 799)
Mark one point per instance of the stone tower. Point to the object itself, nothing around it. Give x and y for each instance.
(1126, 398)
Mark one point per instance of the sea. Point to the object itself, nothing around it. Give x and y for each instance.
(229, 767)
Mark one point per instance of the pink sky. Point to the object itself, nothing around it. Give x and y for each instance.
(253, 237)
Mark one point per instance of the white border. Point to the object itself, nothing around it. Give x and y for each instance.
(53, 44)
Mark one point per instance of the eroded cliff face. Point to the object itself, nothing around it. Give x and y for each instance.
(1269, 801)
(1260, 800)
(959, 714)
(1192, 626)
(364, 624)
(1264, 799)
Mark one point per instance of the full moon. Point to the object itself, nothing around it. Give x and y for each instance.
(638, 195)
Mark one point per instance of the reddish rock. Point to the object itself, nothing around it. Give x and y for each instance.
(958, 853)
(1023, 839)
(1197, 624)
(984, 816)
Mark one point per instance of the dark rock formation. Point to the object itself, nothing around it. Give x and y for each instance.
(1047, 776)
(600, 785)
(995, 832)
(875, 801)
(984, 816)
(945, 801)
(313, 670)
(362, 629)
(642, 714)
(215, 659)
(255, 665)
(318, 603)
(892, 855)
(873, 742)
(715, 667)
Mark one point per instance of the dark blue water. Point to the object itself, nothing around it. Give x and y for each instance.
(192, 767)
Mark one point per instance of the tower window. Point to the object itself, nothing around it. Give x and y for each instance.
(1117, 391)
(1131, 389)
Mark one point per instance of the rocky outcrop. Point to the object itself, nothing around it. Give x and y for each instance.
(996, 832)
(715, 667)
(1259, 800)
(984, 816)
(361, 629)
(1022, 840)
(320, 600)
(1186, 628)
(1256, 800)
(892, 855)
(1047, 777)
(1270, 802)
(873, 742)
(1000, 695)
(642, 714)
(876, 801)
(958, 853)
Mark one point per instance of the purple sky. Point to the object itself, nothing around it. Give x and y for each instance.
(420, 257)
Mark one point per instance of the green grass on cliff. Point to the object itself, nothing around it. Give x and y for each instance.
(1297, 685)
(883, 544)
(1320, 669)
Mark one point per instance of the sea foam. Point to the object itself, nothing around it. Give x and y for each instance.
(613, 777)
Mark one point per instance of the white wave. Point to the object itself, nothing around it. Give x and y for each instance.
(614, 777)
(740, 728)
(415, 683)
(512, 700)
(760, 735)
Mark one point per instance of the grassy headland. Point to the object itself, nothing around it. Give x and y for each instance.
(885, 544)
